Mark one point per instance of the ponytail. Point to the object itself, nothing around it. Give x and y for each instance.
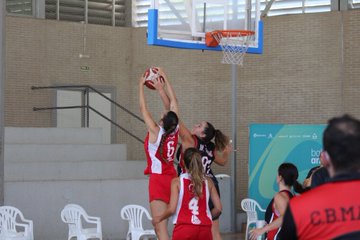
(170, 122)
(221, 140)
(163, 138)
(290, 174)
(194, 165)
(298, 187)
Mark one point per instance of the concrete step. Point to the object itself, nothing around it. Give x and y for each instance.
(53, 135)
(64, 152)
(73, 171)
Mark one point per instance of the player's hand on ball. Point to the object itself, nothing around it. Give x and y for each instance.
(158, 83)
(150, 75)
(162, 73)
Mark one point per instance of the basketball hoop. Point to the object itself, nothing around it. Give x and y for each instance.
(234, 44)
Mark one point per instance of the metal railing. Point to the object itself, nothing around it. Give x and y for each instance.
(86, 89)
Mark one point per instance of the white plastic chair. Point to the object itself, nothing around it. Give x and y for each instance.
(249, 206)
(134, 214)
(10, 227)
(73, 214)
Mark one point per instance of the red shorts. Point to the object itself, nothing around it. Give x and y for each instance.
(192, 232)
(160, 187)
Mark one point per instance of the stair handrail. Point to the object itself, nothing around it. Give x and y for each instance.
(89, 107)
(93, 89)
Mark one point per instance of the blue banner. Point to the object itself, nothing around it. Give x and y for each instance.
(273, 144)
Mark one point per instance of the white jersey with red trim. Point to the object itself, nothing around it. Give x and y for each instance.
(190, 208)
(155, 162)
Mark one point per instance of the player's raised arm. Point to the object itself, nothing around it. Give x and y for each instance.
(170, 92)
(149, 121)
(187, 139)
(159, 85)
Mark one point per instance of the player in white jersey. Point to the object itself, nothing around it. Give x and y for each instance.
(160, 146)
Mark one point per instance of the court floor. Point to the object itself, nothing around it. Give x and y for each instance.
(233, 236)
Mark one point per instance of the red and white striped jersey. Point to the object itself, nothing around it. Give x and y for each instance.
(155, 162)
(190, 208)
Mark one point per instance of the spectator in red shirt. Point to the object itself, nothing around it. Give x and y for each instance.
(331, 211)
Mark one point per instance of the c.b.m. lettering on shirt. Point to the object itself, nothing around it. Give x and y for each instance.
(335, 214)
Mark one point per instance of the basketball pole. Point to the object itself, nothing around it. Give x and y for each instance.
(2, 98)
(234, 131)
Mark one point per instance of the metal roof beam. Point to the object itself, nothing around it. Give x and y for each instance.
(267, 9)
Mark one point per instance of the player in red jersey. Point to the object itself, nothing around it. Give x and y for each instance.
(286, 179)
(189, 202)
(160, 145)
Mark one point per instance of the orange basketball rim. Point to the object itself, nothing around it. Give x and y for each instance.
(212, 38)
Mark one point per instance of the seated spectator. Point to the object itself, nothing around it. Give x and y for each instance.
(331, 211)
(307, 181)
(316, 175)
(321, 175)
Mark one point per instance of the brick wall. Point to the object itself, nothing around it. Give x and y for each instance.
(307, 74)
(350, 70)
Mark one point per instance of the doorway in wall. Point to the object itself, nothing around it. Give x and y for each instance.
(77, 117)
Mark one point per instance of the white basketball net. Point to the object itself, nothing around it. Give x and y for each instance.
(234, 46)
